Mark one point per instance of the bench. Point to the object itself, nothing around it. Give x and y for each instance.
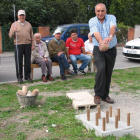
(56, 64)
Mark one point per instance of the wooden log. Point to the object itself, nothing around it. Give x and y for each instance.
(104, 125)
(25, 90)
(116, 121)
(110, 110)
(128, 119)
(99, 112)
(107, 116)
(88, 114)
(96, 118)
(34, 92)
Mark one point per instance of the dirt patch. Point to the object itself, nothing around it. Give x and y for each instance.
(127, 102)
(38, 134)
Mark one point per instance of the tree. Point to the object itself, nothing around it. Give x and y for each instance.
(57, 12)
(126, 11)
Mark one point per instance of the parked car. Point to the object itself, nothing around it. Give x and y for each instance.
(81, 28)
(132, 49)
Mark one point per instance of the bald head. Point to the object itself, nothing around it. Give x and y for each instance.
(90, 37)
(100, 4)
(89, 34)
(37, 37)
(100, 11)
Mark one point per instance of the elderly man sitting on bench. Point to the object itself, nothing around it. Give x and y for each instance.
(57, 52)
(40, 55)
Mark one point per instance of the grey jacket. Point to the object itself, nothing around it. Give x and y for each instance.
(35, 54)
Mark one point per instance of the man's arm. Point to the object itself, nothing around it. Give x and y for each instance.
(83, 50)
(32, 38)
(12, 32)
(68, 54)
(89, 53)
(98, 37)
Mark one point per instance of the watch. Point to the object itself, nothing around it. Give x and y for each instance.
(110, 36)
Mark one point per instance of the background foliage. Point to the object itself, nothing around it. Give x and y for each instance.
(56, 12)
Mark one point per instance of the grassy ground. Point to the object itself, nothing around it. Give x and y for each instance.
(55, 113)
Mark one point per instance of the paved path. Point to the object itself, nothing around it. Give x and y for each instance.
(7, 66)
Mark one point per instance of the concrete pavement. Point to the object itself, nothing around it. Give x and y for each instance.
(8, 72)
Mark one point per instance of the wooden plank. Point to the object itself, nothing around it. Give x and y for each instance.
(81, 99)
(56, 64)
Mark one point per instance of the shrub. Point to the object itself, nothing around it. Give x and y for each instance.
(122, 33)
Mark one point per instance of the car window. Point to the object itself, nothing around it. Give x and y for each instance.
(84, 30)
(62, 29)
(70, 29)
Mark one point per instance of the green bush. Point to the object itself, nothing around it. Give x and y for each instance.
(122, 33)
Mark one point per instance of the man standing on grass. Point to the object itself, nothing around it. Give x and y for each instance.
(103, 28)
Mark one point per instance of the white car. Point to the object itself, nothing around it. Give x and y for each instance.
(132, 49)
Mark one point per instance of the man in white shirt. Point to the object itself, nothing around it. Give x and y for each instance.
(89, 51)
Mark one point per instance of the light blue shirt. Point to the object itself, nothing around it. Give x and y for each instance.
(103, 28)
(58, 41)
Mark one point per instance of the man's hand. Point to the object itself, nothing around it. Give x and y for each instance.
(69, 60)
(15, 29)
(107, 40)
(59, 53)
(33, 47)
(45, 59)
(103, 46)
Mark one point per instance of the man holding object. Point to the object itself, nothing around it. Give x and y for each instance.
(23, 45)
(103, 28)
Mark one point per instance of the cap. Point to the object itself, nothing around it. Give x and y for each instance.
(21, 12)
(57, 31)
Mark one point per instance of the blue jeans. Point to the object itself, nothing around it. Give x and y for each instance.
(62, 61)
(82, 57)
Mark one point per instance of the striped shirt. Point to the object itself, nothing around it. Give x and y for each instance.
(103, 28)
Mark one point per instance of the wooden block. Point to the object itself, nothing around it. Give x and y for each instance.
(81, 99)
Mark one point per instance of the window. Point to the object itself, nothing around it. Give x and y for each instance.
(84, 30)
(62, 29)
(68, 33)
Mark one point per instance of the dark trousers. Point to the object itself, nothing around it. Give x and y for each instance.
(23, 50)
(104, 61)
(62, 61)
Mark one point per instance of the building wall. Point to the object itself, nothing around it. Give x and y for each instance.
(44, 31)
(137, 31)
(131, 34)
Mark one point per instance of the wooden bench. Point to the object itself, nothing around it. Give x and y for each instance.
(56, 64)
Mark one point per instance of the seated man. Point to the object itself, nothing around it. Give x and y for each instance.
(74, 46)
(40, 55)
(89, 51)
(57, 52)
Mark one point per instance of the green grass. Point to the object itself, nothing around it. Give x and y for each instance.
(127, 79)
(21, 136)
(56, 110)
(73, 84)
